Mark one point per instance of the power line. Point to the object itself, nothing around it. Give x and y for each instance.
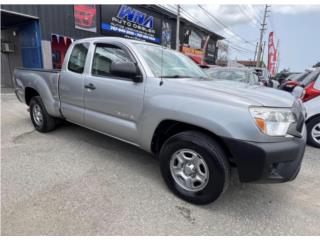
(239, 48)
(255, 15)
(233, 46)
(252, 18)
(227, 27)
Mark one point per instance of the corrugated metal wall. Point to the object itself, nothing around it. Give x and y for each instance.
(54, 19)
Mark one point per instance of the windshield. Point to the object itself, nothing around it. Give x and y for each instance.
(168, 63)
(236, 75)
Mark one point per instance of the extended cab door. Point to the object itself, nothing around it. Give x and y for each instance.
(112, 104)
(71, 84)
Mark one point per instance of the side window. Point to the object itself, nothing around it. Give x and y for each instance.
(104, 56)
(317, 83)
(77, 58)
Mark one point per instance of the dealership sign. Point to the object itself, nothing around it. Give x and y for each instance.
(130, 22)
(134, 16)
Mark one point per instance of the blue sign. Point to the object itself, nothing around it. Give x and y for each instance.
(132, 15)
(133, 22)
(132, 33)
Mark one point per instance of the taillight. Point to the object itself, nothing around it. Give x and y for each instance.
(310, 92)
(291, 84)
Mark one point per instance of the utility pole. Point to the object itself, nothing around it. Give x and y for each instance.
(178, 28)
(263, 28)
(262, 53)
(255, 52)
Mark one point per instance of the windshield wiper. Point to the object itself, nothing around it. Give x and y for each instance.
(175, 76)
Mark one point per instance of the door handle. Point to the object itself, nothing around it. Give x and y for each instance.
(90, 86)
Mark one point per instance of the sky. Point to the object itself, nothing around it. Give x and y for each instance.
(296, 26)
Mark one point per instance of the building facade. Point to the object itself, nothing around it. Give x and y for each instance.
(38, 36)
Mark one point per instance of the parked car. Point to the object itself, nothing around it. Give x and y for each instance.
(236, 74)
(293, 80)
(311, 101)
(281, 76)
(161, 101)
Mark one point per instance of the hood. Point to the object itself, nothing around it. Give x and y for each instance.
(255, 94)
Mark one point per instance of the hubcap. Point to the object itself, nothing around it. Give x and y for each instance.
(315, 133)
(189, 170)
(37, 115)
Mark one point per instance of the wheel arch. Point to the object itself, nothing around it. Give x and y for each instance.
(168, 128)
(313, 117)
(29, 94)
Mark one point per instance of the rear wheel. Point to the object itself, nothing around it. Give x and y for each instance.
(194, 167)
(40, 118)
(313, 128)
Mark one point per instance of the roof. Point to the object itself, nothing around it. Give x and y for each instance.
(117, 39)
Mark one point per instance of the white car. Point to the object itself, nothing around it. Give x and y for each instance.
(311, 101)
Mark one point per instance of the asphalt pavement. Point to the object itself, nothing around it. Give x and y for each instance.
(73, 181)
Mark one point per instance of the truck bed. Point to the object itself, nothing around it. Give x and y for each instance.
(44, 81)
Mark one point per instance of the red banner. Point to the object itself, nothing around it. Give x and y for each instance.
(272, 55)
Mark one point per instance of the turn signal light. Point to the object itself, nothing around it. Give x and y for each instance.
(261, 124)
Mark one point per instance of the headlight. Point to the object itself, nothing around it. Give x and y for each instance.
(272, 121)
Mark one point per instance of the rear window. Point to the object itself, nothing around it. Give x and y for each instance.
(77, 58)
(302, 76)
(310, 78)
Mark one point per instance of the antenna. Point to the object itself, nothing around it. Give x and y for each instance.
(161, 73)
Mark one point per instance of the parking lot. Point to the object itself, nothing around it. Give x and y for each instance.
(73, 181)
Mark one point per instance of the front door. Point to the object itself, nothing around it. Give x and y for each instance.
(112, 104)
(71, 84)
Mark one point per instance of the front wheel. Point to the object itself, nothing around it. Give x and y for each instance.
(313, 128)
(40, 118)
(194, 167)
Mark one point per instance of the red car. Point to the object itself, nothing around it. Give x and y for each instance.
(85, 16)
(308, 85)
(293, 80)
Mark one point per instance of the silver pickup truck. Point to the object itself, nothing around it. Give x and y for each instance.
(162, 102)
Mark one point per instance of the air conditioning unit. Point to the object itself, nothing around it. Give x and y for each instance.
(7, 47)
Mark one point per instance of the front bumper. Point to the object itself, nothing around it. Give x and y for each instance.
(268, 162)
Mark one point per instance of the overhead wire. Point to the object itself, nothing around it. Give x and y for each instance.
(188, 16)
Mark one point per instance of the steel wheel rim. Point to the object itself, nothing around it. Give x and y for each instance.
(37, 115)
(315, 133)
(189, 170)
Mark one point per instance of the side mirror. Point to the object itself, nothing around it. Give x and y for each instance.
(298, 92)
(125, 69)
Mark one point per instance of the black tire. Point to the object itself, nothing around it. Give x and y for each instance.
(310, 126)
(214, 157)
(48, 123)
